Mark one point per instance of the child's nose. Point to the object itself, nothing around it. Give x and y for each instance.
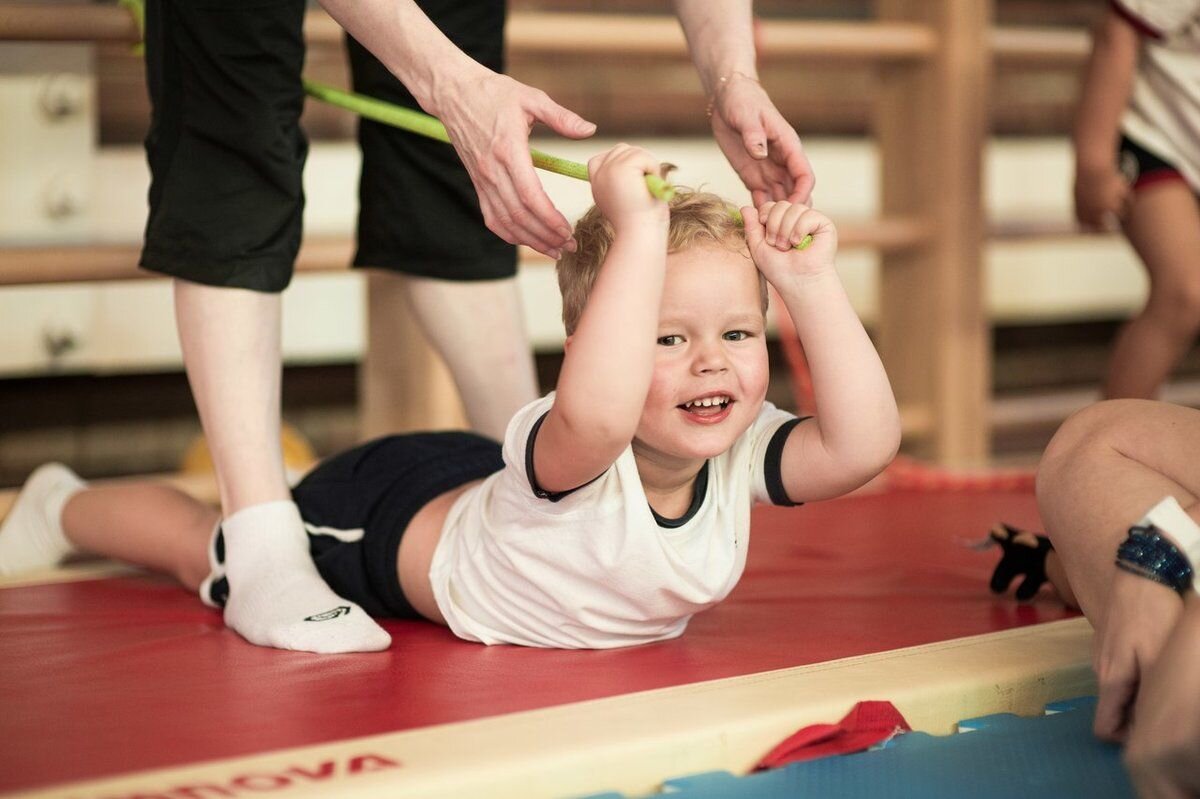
(710, 359)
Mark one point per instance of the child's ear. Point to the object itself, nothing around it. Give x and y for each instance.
(567, 343)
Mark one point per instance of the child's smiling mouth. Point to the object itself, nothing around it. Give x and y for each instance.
(707, 409)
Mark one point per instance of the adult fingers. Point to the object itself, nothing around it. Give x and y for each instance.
(560, 119)
(518, 210)
(1118, 685)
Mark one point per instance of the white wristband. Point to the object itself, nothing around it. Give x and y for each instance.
(1174, 523)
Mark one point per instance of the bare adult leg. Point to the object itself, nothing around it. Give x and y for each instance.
(231, 349)
(478, 329)
(1108, 468)
(1164, 228)
(403, 385)
(1105, 468)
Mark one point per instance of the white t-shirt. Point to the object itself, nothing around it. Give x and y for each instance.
(1164, 110)
(593, 568)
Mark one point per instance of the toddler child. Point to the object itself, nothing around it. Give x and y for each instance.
(1137, 156)
(619, 505)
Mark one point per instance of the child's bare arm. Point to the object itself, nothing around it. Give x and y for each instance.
(609, 358)
(857, 428)
(1100, 190)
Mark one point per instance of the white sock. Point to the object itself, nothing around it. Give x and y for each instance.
(32, 536)
(1170, 517)
(276, 596)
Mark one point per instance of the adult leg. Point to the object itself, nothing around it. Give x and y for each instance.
(226, 154)
(478, 329)
(230, 340)
(419, 216)
(1106, 467)
(1164, 228)
(231, 349)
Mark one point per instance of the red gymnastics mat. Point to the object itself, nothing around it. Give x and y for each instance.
(107, 676)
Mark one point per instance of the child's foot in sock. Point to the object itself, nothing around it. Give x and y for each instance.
(32, 537)
(276, 596)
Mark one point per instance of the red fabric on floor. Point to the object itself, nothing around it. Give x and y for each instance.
(109, 676)
(867, 724)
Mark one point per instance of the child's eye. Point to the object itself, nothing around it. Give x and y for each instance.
(737, 335)
(670, 341)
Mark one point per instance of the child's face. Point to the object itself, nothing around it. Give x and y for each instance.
(711, 347)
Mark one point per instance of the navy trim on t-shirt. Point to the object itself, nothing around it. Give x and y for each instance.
(773, 464)
(1140, 25)
(699, 490)
(538, 491)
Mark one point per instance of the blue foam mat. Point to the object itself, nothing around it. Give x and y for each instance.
(1000, 756)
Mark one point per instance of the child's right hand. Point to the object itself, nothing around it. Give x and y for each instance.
(618, 178)
(1101, 197)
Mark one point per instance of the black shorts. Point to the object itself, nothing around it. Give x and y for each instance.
(418, 211)
(357, 505)
(225, 146)
(226, 151)
(1143, 168)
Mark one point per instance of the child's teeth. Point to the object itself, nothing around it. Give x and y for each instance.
(707, 402)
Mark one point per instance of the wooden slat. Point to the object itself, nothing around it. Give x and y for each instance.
(89, 263)
(26, 22)
(530, 33)
(931, 126)
(661, 36)
(539, 33)
(1038, 47)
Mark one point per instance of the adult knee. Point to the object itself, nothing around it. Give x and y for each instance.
(1092, 429)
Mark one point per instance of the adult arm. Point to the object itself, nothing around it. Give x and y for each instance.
(488, 116)
(758, 142)
(1100, 190)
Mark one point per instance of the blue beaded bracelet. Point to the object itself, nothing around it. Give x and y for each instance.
(1148, 554)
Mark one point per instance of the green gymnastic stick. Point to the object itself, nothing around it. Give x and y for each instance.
(424, 125)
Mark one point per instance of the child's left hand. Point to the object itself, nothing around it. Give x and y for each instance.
(773, 230)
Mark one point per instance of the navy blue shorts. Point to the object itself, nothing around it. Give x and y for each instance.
(226, 151)
(357, 505)
(1143, 168)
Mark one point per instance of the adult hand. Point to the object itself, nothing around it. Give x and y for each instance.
(1139, 617)
(1163, 753)
(489, 118)
(759, 143)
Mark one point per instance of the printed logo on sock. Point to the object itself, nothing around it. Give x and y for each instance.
(340, 610)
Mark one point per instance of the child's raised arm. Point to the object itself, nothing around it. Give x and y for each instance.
(1100, 190)
(857, 428)
(609, 358)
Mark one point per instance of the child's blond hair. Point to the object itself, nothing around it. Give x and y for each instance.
(696, 216)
